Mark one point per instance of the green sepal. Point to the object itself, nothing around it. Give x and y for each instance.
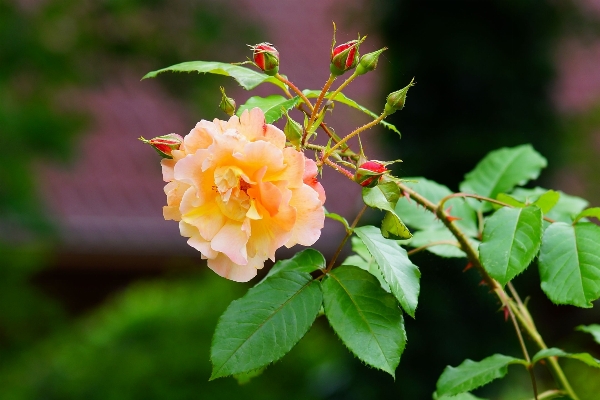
(384, 196)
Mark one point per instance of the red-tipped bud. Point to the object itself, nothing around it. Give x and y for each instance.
(227, 104)
(368, 174)
(266, 57)
(344, 57)
(395, 101)
(164, 145)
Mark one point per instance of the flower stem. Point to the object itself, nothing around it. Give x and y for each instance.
(315, 111)
(354, 133)
(345, 239)
(298, 91)
(342, 86)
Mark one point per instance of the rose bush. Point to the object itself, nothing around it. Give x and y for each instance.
(239, 193)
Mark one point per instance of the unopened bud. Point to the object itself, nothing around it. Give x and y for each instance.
(164, 145)
(344, 57)
(293, 131)
(368, 174)
(266, 57)
(395, 101)
(368, 62)
(227, 104)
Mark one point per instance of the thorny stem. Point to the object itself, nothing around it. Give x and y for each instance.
(354, 133)
(339, 169)
(315, 110)
(298, 91)
(344, 240)
(523, 317)
(342, 86)
(505, 301)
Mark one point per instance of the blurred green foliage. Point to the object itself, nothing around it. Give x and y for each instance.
(51, 53)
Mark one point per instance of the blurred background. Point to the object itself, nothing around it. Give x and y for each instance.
(100, 298)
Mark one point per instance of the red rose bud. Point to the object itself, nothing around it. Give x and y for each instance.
(344, 57)
(266, 57)
(369, 173)
(368, 62)
(227, 104)
(395, 101)
(164, 145)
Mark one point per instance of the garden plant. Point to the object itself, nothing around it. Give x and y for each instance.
(242, 188)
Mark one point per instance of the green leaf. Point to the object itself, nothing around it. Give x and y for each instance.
(339, 218)
(569, 263)
(397, 269)
(365, 317)
(461, 396)
(593, 329)
(384, 197)
(554, 352)
(364, 260)
(246, 377)
(505, 198)
(341, 97)
(247, 78)
(511, 239)
(590, 212)
(547, 201)
(423, 238)
(471, 374)
(417, 217)
(501, 170)
(565, 209)
(265, 324)
(307, 260)
(272, 106)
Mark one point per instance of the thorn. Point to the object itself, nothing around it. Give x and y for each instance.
(468, 267)
(505, 313)
(450, 217)
(407, 196)
(483, 283)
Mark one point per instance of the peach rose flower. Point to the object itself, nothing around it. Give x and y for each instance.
(239, 194)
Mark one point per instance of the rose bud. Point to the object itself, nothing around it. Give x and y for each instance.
(368, 62)
(369, 173)
(266, 57)
(344, 57)
(395, 101)
(227, 104)
(164, 145)
(293, 131)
